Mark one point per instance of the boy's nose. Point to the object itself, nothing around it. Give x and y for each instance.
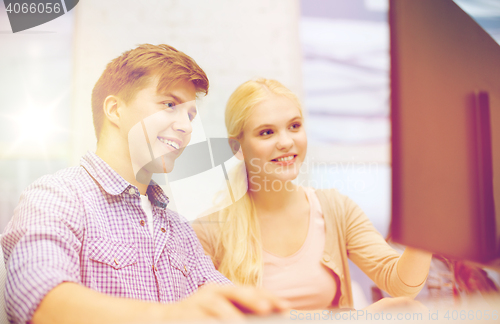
(183, 124)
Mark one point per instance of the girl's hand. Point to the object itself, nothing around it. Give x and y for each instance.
(397, 303)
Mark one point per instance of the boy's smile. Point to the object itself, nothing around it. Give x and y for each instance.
(158, 126)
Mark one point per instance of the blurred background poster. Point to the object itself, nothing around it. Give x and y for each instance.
(333, 53)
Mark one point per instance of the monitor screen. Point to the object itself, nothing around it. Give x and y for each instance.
(445, 114)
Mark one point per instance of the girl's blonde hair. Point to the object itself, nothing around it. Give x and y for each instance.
(238, 245)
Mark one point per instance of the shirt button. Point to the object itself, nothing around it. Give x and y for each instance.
(326, 258)
(131, 191)
(142, 222)
(163, 230)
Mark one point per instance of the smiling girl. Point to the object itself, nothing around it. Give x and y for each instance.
(294, 241)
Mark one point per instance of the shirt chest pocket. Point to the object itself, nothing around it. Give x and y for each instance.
(117, 255)
(184, 262)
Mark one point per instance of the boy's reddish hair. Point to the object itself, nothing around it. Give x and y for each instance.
(133, 70)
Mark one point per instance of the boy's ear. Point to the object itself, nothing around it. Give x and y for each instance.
(111, 111)
(236, 148)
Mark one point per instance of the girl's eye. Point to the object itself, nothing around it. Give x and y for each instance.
(295, 126)
(191, 117)
(169, 104)
(265, 132)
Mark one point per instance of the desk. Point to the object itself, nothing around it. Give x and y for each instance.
(477, 310)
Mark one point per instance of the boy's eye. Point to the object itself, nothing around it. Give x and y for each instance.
(169, 104)
(265, 132)
(191, 117)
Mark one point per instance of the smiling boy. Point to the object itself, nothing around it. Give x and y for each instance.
(95, 243)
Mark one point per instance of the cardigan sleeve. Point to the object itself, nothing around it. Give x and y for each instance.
(371, 253)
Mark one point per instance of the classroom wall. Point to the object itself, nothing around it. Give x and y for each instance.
(232, 41)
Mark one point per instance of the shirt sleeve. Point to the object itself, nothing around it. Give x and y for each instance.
(209, 273)
(371, 253)
(41, 246)
(205, 266)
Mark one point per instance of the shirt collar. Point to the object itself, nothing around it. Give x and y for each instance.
(158, 195)
(114, 184)
(103, 174)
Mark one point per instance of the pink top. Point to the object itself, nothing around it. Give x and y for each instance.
(301, 278)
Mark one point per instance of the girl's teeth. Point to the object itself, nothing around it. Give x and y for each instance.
(288, 158)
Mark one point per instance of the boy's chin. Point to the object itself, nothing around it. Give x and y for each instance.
(158, 165)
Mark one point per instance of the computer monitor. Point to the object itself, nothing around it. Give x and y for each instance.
(445, 113)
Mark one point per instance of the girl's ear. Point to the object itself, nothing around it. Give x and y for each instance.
(236, 148)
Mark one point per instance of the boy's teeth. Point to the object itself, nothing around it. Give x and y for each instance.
(166, 141)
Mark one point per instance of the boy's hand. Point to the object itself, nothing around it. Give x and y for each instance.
(226, 302)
